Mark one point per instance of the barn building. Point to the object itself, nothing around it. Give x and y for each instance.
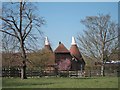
(67, 59)
(62, 57)
(77, 62)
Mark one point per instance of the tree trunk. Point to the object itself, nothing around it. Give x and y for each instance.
(23, 69)
(102, 59)
(102, 70)
(23, 53)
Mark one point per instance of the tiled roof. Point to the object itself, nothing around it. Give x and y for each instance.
(48, 47)
(61, 49)
(75, 52)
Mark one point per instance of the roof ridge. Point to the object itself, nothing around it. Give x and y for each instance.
(62, 49)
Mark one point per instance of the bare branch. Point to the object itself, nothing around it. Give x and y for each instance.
(19, 24)
(27, 32)
(8, 33)
(29, 24)
(15, 24)
(112, 38)
(96, 38)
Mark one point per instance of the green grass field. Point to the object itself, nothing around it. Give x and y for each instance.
(57, 82)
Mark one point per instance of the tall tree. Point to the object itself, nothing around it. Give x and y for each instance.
(21, 22)
(99, 38)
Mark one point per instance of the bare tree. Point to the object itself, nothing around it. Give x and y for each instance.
(99, 38)
(21, 23)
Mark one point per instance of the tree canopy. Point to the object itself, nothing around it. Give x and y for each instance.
(20, 24)
(100, 37)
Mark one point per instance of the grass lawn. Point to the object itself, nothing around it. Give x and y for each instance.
(57, 82)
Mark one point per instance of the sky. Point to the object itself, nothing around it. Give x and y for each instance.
(63, 18)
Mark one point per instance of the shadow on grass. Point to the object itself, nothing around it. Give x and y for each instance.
(84, 77)
(29, 84)
(42, 84)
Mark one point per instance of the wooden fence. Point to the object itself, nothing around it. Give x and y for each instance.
(11, 72)
(110, 70)
(38, 73)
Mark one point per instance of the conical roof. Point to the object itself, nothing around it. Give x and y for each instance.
(47, 44)
(47, 41)
(48, 47)
(73, 41)
(74, 50)
(61, 49)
